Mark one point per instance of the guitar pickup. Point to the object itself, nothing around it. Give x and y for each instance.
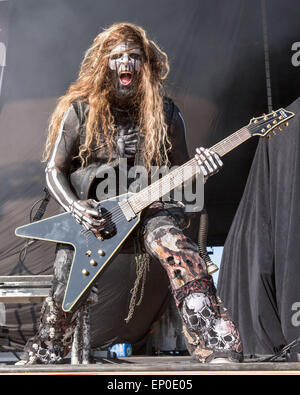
(127, 210)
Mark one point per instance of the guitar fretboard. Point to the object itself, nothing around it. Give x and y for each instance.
(183, 173)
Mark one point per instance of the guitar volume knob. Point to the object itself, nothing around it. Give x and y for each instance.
(93, 262)
(101, 252)
(85, 272)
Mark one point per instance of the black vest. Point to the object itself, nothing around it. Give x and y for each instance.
(83, 180)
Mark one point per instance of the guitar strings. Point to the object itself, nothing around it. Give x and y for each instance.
(235, 137)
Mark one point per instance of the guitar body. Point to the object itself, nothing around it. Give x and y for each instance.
(91, 253)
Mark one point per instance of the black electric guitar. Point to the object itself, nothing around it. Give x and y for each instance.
(94, 251)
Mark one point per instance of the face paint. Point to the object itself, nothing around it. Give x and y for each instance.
(125, 63)
(126, 60)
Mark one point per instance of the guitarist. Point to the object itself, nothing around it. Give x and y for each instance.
(116, 109)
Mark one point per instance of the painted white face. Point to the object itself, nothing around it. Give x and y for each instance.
(126, 59)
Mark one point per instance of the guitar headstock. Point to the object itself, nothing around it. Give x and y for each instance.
(263, 125)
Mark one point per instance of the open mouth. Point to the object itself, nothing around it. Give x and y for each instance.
(125, 77)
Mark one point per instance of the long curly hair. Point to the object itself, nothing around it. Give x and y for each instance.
(93, 86)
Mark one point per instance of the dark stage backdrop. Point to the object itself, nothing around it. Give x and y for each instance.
(260, 274)
(221, 54)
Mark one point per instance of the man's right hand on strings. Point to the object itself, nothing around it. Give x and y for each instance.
(87, 213)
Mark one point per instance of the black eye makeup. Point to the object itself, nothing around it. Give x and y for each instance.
(132, 55)
(116, 56)
(135, 56)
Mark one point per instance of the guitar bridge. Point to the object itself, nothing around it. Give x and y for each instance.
(127, 210)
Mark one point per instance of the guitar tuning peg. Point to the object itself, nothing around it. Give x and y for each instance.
(286, 124)
(280, 129)
(274, 132)
(269, 137)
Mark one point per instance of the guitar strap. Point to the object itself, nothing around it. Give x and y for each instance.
(42, 208)
(38, 215)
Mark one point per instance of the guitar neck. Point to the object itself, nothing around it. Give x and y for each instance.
(183, 173)
(231, 142)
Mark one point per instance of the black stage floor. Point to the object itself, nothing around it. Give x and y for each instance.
(162, 365)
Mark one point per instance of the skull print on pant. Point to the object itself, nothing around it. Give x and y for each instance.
(208, 330)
